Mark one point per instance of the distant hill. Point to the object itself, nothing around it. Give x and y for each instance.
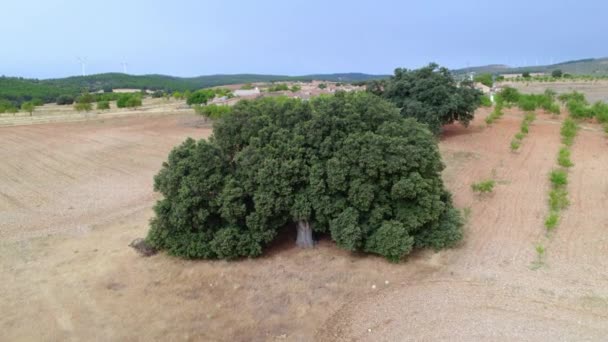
(589, 66)
(18, 90)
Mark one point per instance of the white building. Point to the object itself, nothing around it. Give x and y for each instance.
(246, 92)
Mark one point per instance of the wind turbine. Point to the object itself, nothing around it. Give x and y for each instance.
(83, 65)
(124, 66)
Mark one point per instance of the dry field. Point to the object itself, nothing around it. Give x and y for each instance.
(74, 195)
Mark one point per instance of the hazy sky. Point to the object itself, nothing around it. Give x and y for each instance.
(43, 38)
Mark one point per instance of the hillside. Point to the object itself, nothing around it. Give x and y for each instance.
(18, 90)
(589, 66)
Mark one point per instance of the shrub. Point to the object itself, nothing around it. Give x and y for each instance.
(568, 131)
(510, 95)
(65, 100)
(552, 220)
(558, 199)
(83, 106)
(573, 96)
(600, 111)
(525, 74)
(295, 88)
(486, 101)
(278, 87)
(563, 158)
(485, 79)
(525, 127)
(559, 178)
(129, 101)
(213, 111)
(348, 165)
(322, 86)
(515, 144)
(520, 136)
(557, 73)
(37, 102)
(28, 107)
(200, 97)
(483, 187)
(553, 109)
(527, 103)
(7, 107)
(158, 94)
(103, 105)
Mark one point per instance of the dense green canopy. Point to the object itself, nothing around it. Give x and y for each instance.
(431, 95)
(349, 165)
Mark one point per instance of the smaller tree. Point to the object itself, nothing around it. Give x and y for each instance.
(28, 107)
(129, 100)
(65, 100)
(200, 97)
(485, 79)
(526, 74)
(557, 73)
(103, 105)
(322, 86)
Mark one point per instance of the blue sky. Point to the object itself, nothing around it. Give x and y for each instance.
(43, 38)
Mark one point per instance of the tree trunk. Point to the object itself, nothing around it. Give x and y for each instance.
(304, 239)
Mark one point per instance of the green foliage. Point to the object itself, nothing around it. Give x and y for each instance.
(322, 86)
(557, 73)
(485, 101)
(540, 254)
(200, 97)
(83, 106)
(349, 165)
(65, 100)
(247, 86)
(509, 95)
(295, 88)
(600, 111)
(563, 158)
(177, 95)
(485, 79)
(573, 96)
(559, 178)
(28, 107)
(558, 199)
(278, 87)
(552, 220)
(568, 131)
(129, 101)
(496, 113)
(103, 105)
(213, 111)
(158, 94)
(515, 144)
(520, 136)
(525, 74)
(484, 186)
(432, 96)
(7, 107)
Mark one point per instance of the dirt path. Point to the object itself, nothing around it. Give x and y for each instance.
(73, 196)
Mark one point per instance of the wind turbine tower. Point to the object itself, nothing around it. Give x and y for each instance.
(124, 66)
(83, 65)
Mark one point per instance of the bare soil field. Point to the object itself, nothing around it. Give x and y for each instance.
(74, 195)
(594, 90)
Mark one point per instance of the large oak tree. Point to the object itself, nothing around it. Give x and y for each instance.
(347, 165)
